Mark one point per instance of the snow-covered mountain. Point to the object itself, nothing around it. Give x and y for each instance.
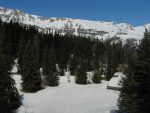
(96, 29)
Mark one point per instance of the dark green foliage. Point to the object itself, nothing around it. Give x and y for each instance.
(135, 95)
(72, 64)
(61, 72)
(21, 50)
(96, 77)
(81, 76)
(53, 79)
(109, 53)
(31, 77)
(64, 46)
(115, 56)
(111, 66)
(9, 96)
(49, 67)
(111, 69)
(96, 66)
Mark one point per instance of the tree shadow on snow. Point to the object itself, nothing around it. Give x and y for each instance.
(21, 98)
(113, 111)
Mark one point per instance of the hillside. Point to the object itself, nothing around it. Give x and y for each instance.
(96, 29)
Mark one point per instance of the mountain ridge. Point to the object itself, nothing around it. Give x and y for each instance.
(88, 28)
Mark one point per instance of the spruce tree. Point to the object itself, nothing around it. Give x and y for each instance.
(9, 96)
(135, 95)
(49, 67)
(81, 76)
(31, 77)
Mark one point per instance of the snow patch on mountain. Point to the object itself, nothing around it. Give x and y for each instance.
(96, 29)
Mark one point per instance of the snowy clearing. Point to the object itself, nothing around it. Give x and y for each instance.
(69, 98)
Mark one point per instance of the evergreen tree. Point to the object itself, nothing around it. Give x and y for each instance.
(49, 67)
(135, 95)
(9, 96)
(21, 50)
(72, 64)
(81, 76)
(31, 78)
(61, 70)
(96, 77)
(110, 68)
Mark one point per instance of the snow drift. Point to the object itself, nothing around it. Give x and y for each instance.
(116, 81)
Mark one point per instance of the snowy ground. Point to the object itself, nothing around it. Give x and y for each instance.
(69, 98)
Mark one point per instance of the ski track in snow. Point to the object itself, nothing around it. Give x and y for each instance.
(69, 98)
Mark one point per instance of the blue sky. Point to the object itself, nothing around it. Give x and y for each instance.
(135, 12)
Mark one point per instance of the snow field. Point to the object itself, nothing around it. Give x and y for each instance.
(69, 98)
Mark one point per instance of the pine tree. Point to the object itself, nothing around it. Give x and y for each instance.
(49, 67)
(9, 96)
(31, 77)
(81, 76)
(135, 95)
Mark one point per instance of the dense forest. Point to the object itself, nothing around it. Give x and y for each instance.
(56, 54)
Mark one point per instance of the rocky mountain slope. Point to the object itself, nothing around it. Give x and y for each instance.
(96, 29)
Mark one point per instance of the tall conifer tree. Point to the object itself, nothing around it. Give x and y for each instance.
(49, 67)
(31, 76)
(81, 76)
(135, 95)
(9, 96)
